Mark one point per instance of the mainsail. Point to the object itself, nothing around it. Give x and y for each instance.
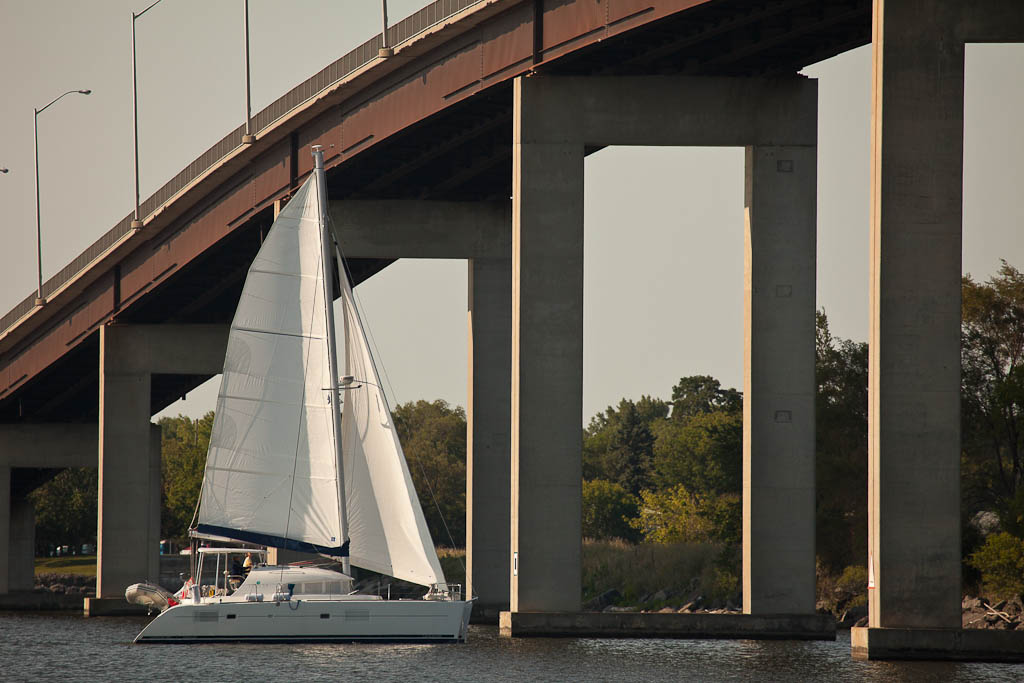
(272, 468)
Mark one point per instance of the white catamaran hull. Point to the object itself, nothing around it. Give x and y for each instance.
(312, 621)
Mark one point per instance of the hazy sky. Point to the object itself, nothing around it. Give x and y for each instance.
(664, 226)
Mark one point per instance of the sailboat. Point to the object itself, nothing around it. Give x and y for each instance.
(305, 459)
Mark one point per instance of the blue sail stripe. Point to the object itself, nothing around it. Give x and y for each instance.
(274, 541)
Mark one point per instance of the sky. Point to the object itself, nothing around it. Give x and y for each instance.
(663, 246)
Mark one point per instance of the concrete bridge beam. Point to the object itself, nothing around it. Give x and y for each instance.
(554, 119)
(128, 533)
(422, 229)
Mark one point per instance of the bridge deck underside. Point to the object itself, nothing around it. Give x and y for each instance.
(192, 270)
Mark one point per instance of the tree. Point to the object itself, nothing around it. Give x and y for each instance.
(618, 443)
(433, 436)
(184, 443)
(700, 394)
(1000, 560)
(703, 452)
(679, 515)
(841, 436)
(631, 449)
(992, 396)
(66, 508)
(607, 511)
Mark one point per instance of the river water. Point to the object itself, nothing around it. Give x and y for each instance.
(36, 647)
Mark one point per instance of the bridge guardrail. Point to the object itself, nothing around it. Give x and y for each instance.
(431, 15)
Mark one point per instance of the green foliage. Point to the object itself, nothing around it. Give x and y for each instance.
(618, 445)
(433, 436)
(841, 435)
(607, 510)
(630, 450)
(687, 469)
(184, 443)
(65, 509)
(1001, 563)
(703, 452)
(703, 394)
(678, 515)
(992, 396)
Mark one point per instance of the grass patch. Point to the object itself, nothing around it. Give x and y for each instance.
(678, 571)
(682, 570)
(84, 565)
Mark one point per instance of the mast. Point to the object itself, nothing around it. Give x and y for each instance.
(332, 353)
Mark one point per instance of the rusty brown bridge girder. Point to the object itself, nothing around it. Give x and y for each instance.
(392, 127)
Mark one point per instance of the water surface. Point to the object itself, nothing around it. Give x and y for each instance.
(37, 647)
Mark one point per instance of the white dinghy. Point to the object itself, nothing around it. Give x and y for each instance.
(302, 460)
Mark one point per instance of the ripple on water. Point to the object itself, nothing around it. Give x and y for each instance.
(46, 647)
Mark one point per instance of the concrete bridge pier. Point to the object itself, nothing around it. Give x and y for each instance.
(39, 445)
(914, 367)
(778, 380)
(129, 445)
(481, 233)
(488, 471)
(555, 119)
(17, 538)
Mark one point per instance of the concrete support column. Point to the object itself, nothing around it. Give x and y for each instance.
(128, 532)
(488, 469)
(125, 552)
(5, 528)
(21, 564)
(778, 379)
(914, 368)
(547, 358)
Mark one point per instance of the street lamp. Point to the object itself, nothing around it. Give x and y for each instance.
(39, 233)
(384, 52)
(137, 221)
(247, 138)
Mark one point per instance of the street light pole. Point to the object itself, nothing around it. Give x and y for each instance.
(39, 232)
(248, 138)
(384, 52)
(137, 221)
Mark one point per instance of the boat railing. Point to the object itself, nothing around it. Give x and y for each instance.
(444, 591)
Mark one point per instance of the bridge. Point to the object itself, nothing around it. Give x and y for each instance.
(476, 101)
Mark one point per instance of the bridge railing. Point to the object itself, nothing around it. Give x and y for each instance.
(426, 18)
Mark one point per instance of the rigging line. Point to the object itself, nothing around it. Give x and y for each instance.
(366, 328)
